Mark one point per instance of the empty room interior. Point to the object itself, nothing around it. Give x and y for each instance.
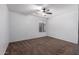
(39, 29)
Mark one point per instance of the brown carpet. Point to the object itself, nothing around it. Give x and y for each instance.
(41, 46)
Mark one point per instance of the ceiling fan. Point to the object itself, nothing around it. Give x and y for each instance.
(47, 11)
(42, 11)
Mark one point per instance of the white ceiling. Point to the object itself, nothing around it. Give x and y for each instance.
(29, 8)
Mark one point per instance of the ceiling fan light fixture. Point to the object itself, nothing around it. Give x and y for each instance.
(42, 11)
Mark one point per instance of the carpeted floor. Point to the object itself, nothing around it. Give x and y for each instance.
(42, 46)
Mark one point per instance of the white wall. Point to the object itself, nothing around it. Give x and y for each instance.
(4, 28)
(64, 24)
(78, 23)
(24, 27)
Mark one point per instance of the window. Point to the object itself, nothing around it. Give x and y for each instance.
(41, 27)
